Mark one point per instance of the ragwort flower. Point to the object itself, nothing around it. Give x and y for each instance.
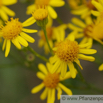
(99, 5)
(74, 4)
(84, 10)
(14, 32)
(87, 30)
(51, 82)
(67, 52)
(5, 11)
(48, 4)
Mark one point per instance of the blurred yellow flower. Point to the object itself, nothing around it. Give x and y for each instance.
(84, 10)
(99, 5)
(87, 30)
(5, 11)
(51, 82)
(67, 52)
(52, 34)
(14, 32)
(74, 4)
(46, 3)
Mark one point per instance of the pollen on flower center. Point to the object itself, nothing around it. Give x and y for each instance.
(67, 50)
(42, 3)
(49, 31)
(51, 80)
(12, 29)
(40, 14)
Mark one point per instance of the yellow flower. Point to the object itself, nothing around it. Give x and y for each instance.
(84, 10)
(87, 30)
(67, 52)
(52, 34)
(5, 11)
(101, 67)
(74, 4)
(99, 5)
(14, 32)
(51, 82)
(48, 3)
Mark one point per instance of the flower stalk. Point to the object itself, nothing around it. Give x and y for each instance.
(36, 54)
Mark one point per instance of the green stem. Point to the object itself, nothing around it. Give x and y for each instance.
(82, 78)
(59, 20)
(38, 55)
(44, 29)
(89, 86)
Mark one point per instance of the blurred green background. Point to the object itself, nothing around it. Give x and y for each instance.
(17, 77)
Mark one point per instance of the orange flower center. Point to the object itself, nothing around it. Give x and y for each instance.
(49, 31)
(87, 30)
(41, 3)
(12, 29)
(40, 14)
(67, 50)
(51, 80)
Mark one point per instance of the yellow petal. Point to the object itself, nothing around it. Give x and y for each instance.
(79, 11)
(71, 36)
(53, 59)
(25, 24)
(16, 43)
(8, 45)
(4, 45)
(59, 92)
(9, 2)
(52, 12)
(95, 13)
(30, 9)
(97, 5)
(40, 43)
(37, 88)
(27, 37)
(40, 75)
(101, 2)
(22, 41)
(67, 75)
(101, 67)
(63, 69)
(3, 15)
(53, 95)
(56, 3)
(87, 51)
(67, 90)
(28, 21)
(78, 62)
(72, 70)
(71, 26)
(88, 58)
(49, 96)
(8, 11)
(78, 22)
(29, 30)
(56, 66)
(49, 66)
(43, 68)
(44, 94)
